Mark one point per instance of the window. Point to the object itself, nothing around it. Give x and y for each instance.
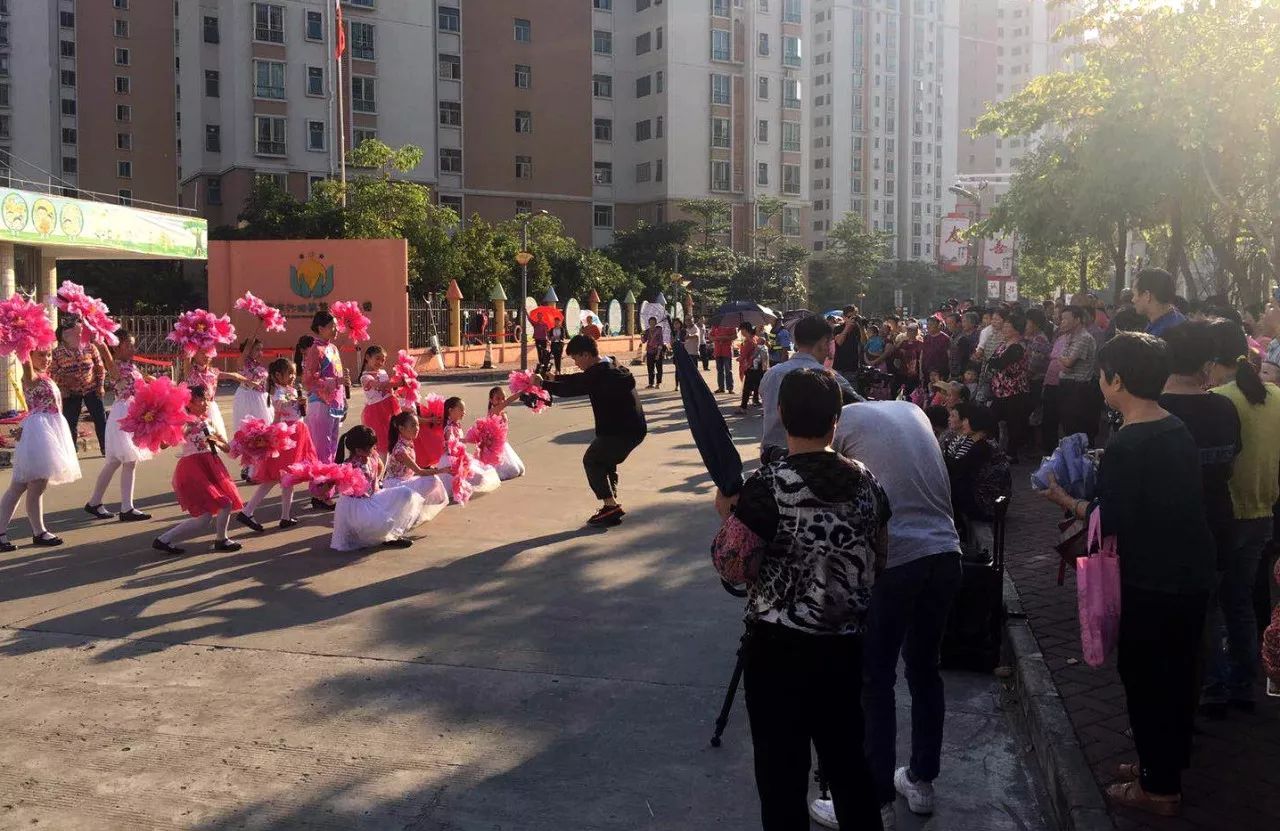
(720, 8)
(268, 79)
(268, 23)
(124, 170)
(790, 51)
(602, 173)
(602, 42)
(124, 112)
(124, 141)
(363, 95)
(316, 135)
(762, 88)
(644, 172)
(123, 85)
(450, 160)
(657, 129)
(791, 179)
(315, 26)
(791, 11)
(720, 45)
(762, 173)
(450, 20)
(791, 136)
(126, 196)
(523, 30)
(762, 44)
(315, 80)
(69, 135)
(213, 190)
(643, 43)
(122, 28)
(791, 221)
(270, 133)
(524, 76)
(524, 207)
(602, 216)
(644, 130)
(719, 175)
(524, 121)
(644, 85)
(362, 134)
(68, 106)
(659, 78)
(451, 113)
(607, 5)
(67, 48)
(67, 20)
(68, 77)
(603, 129)
(602, 86)
(719, 132)
(212, 138)
(120, 4)
(791, 93)
(657, 170)
(122, 57)
(762, 130)
(70, 164)
(312, 181)
(720, 89)
(450, 67)
(524, 167)
(657, 38)
(362, 41)
(4, 95)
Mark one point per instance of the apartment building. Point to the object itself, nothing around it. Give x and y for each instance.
(884, 134)
(87, 97)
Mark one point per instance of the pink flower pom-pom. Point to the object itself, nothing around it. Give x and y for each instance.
(350, 319)
(202, 331)
(257, 440)
(489, 435)
(435, 406)
(157, 414)
(295, 474)
(460, 469)
(404, 377)
(95, 323)
(272, 318)
(330, 478)
(348, 480)
(24, 327)
(531, 394)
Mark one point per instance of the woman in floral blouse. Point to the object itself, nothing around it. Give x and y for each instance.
(80, 373)
(1010, 382)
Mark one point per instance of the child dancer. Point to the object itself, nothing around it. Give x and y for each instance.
(286, 406)
(483, 477)
(382, 516)
(403, 468)
(324, 380)
(510, 465)
(201, 483)
(201, 373)
(122, 454)
(251, 400)
(45, 455)
(379, 402)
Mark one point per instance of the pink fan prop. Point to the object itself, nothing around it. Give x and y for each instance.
(533, 395)
(350, 319)
(257, 440)
(404, 377)
(272, 319)
(489, 435)
(24, 327)
(327, 477)
(157, 414)
(460, 469)
(96, 325)
(202, 331)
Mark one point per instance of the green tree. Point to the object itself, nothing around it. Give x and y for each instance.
(713, 216)
(768, 230)
(850, 257)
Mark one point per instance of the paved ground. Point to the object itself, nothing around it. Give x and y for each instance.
(1235, 778)
(510, 671)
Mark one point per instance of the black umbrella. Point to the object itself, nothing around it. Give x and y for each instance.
(707, 424)
(738, 312)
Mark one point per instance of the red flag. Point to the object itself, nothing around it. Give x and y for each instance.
(342, 32)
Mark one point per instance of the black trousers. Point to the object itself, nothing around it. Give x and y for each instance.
(544, 355)
(805, 689)
(1159, 661)
(1049, 425)
(751, 386)
(1014, 412)
(557, 353)
(653, 360)
(93, 403)
(704, 352)
(601, 463)
(1080, 408)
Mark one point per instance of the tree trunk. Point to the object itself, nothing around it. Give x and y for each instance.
(1084, 267)
(1122, 246)
(1177, 240)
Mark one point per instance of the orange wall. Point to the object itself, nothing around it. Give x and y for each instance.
(374, 272)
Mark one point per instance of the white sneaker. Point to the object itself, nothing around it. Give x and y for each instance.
(919, 795)
(823, 812)
(888, 819)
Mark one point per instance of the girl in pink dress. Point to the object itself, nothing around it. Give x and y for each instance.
(201, 373)
(510, 466)
(381, 515)
(324, 381)
(484, 478)
(403, 468)
(380, 403)
(286, 407)
(122, 454)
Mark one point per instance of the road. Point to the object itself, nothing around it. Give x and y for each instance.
(512, 670)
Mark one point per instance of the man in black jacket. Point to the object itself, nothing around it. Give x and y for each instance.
(620, 423)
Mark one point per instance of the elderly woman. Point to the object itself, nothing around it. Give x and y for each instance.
(80, 373)
(808, 535)
(1010, 381)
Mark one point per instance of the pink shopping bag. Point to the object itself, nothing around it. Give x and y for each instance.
(1098, 594)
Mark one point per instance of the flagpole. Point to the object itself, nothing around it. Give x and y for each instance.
(328, 45)
(342, 116)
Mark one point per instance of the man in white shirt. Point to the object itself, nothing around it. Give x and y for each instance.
(812, 337)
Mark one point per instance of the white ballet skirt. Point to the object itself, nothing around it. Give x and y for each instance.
(431, 488)
(120, 444)
(249, 403)
(484, 479)
(509, 466)
(361, 522)
(46, 450)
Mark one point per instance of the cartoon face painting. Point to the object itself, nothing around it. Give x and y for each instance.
(44, 216)
(14, 211)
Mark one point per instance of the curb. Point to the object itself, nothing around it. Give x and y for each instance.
(463, 376)
(1075, 800)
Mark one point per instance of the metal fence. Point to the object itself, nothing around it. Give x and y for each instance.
(150, 333)
(427, 320)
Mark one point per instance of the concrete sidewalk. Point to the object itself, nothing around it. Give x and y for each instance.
(512, 670)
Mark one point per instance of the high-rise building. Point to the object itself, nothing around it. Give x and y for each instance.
(87, 97)
(884, 135)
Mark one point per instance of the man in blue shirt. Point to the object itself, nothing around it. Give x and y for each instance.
(1153, 294)
(812, 337)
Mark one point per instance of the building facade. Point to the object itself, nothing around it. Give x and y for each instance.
(87, 97)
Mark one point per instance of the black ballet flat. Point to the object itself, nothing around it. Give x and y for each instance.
(288, 523)
(6, 546)
(134, 516)
(320, 505)
(226, 545)
(398, 543)
(249, 522)
(47, 540)
(98, 512)
(172, 550)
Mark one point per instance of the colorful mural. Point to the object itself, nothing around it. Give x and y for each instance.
(38, 219)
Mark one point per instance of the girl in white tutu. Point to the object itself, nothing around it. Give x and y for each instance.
(122, 454)
(287, 408)
(383, 515)
(509, 466)
(45, 455)
(201, 373)
(251, 400)
(484, 478)
(403, 468)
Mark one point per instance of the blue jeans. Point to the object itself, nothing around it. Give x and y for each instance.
(1233, 667)
(909, 606)
(724, 374)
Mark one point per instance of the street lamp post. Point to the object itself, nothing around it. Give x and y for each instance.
(975, 196)
(523, 258)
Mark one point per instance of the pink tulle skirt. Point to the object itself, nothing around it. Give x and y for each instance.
(377, 417)
(203, 486)
(303, 451)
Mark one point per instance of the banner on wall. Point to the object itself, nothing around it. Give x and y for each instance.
(993, 289)
(38, 218)
(954, 250)
(997, 256)
(1011, 291)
